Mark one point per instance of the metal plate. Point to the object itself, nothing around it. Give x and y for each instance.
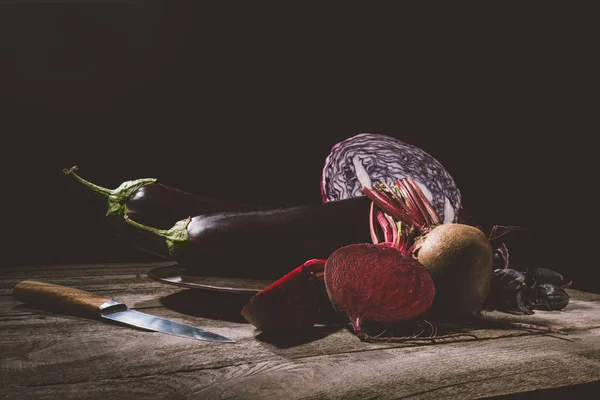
(179, 276)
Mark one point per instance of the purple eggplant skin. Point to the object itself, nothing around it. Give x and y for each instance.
(154, 204)
(264, 243)
(159, 205)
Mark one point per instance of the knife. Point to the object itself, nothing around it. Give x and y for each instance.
(79, 302)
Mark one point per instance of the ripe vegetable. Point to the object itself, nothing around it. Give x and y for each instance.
(458, 256)
(264, 243)
(155, 204)
(551, 297)
(367, 159)
(379, 283)
(522, 292)
(294, 301)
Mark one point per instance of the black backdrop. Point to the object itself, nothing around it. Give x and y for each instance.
(244, 102)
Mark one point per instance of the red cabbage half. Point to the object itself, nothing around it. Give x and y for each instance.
(368, 158)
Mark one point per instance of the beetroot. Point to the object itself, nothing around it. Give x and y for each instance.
(292, 302)
(377, 282)
(458, 256)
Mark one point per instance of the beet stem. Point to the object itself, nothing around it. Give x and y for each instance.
(411, 204)
(504, 254)
(374, 237)
(387, 231)
(395, 195)
(393, 227)
(386, 205)
(400, 233)
(404, 201)
(429, 211)
(503, 231)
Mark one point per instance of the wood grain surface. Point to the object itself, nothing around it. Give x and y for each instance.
(48, 355)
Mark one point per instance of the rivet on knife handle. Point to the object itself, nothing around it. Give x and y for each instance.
(62, 298)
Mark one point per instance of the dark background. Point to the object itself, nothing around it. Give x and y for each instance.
(244, 101)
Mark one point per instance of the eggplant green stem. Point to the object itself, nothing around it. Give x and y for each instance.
(175, 237)
(117, 198)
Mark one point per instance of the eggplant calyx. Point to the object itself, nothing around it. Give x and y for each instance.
(117, 198)
(175, 237)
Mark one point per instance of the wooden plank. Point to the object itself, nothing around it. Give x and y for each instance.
(46, 355)
(194, 306)
(58, 335)
(143, 294)
(448, 371)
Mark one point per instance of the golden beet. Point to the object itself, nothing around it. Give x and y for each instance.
(459, 259)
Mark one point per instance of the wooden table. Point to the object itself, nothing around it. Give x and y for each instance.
(46, 355)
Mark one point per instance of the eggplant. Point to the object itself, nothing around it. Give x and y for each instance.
(155, 204)
(264, 243)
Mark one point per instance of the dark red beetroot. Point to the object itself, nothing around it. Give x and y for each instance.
(294, 301)
(377, 283)
(458, 257)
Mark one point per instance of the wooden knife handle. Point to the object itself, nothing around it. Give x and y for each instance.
(58, 298)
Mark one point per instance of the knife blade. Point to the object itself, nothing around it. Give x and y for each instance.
(79, 302)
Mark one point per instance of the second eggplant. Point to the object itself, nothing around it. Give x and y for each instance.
(155, 204)
(264, 243)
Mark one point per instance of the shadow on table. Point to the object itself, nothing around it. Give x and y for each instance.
(227, 306)
(286, 339)
(208, 304)
(579, 391)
